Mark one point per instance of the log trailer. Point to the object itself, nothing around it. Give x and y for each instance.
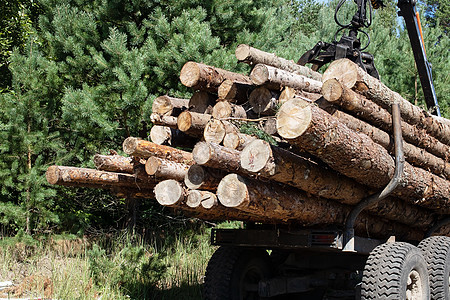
(263, 261)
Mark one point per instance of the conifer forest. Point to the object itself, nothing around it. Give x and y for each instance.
(78, 78)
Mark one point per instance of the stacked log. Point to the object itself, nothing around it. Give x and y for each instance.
(335, 149)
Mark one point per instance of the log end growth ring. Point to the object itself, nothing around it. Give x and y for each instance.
(232, 191)
(255, 155)
(184, 121)
(194, 198)
(130, 145)
(344, 70)
(169, 192)
(332, 90)
(259, 74)
(242, 52)
(190, 74)
(293, 118)
(152, 165)
(52, 174)
(195, 177)
(201, 153)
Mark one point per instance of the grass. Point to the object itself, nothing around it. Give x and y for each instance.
(125, 267)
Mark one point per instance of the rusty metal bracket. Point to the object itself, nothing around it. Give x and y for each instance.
(349, 231)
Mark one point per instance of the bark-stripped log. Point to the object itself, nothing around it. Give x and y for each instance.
(225, 109)
(199, 177)
(264, 101)
(352, 76)
(192, 123)
(414, 155)
(169, 106)
(237, 140)
(168, 121)
(335, 92)
(277, 164)
(202, 102)
(356, 155)
(165, 169)
(72, 176)
(216, 156)
(170, 193)
(253, 56)
(280, 165)
(235, 91)
(216, 130)
(145, 149)
(276, 78)
(288, 204)
(203, 77)
(163, 135)
(114, 163)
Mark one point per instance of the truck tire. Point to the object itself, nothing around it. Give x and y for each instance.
(436, 251)
(395, 271)
(233, 273)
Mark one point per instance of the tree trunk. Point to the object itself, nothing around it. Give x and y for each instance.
(198, 177)
(167, 121)
(337, 93)
(352, 76)
(414, 155)
(216, 130)
(216, 156)
(356, 155)
(193, 123)
(225, 109)
(277, 164)
(114, 163)
(163, 135)
(276, 78)
(253, 56)
(145, 149)
(202, 102)
(169, 106)
(203, 77)
(237, 140)
(165, 169)
(234, 91)
(71, 176)
(264, 101)
(286, 204)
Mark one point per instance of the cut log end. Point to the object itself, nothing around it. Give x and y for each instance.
(162, 106)
(222, 109)
(160, 134)
(293, 118)
(227, 90)
(209, 200)
(184, 121)
(194, 198)
(152, 165)
(53, 175)
(214, 132)
(169, 192)
(201, 153)
(201, 102)
(190, 74)
(242, 52)
(195, 177)
(259, 74)
(332, 90)
(130, 145)
(261, 100)
(344, 70)
(255, 155)
(232, 191)
(232, 140)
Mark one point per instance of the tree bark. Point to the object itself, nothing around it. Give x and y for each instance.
(114, 163)
(264, 101)
(337, 93)
(169, 106)
(276, 78)
(193, 123)
(168, 121)
(285, 204)
(198, 177)
(235, 91)
(225, 109)
(163, 135)
(356, 155)
(202, 102)
(216, 130)
(414, 155)
(253, 56)
(83, 177)
(237, 140)
(165, 169)
(145, 149)
(216, 156)
(203, 77)
(353, 77)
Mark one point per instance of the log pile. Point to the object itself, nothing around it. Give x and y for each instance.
(327, 146)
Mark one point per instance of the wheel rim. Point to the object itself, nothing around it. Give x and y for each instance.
(249, 283)
(414, 286)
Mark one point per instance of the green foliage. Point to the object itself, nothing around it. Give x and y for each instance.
(254, 129)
